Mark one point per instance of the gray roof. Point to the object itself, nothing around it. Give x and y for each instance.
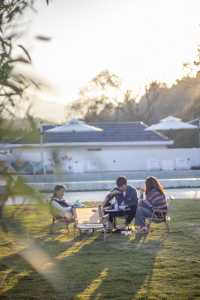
(112, 132)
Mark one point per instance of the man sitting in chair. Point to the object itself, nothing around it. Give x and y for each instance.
(126, 202)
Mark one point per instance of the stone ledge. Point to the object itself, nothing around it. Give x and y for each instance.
(107, 185)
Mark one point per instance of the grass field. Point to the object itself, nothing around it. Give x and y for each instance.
(158, 266)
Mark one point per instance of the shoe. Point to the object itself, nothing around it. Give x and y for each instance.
(143, 230)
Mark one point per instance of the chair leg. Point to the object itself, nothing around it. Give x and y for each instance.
(149, 225)
(167, 225)
(51, 230)
(104, 235)
(74, 231)
(114, 223)
(67, 225)
(80, 233)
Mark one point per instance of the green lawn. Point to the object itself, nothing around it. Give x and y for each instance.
(158, 266)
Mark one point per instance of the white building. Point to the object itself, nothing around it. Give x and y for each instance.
(118, 147)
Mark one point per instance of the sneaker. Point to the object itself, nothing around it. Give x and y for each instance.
(143, 229)
(126, 232)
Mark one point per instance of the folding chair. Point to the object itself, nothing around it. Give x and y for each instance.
(57, 218)
(89, 219)
(161, 216)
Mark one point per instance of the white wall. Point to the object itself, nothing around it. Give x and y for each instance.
(108, 158)
(133, 158)
(79, 159)
(31, 154)
(180, 158)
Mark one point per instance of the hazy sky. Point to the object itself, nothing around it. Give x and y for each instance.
(140, 40)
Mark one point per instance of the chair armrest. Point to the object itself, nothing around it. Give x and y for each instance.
(105, 216)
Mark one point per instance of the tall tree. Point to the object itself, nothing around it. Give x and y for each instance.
(96, 95)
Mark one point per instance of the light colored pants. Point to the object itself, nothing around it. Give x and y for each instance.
(62, 211)
(141, 214)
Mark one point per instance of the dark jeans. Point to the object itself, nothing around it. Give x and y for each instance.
(142, 214)
(129, 215)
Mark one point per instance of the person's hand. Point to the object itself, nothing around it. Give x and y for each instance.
(141, 189)
(140, 202)
(115, 192)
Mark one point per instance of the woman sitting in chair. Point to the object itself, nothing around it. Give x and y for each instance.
(154, 200)
(60, 206)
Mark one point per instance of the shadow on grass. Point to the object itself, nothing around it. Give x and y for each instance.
(120, 268)
(86, 268)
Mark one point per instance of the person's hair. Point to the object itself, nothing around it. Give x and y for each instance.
(57, 188)
(153, 183)
(121, 181)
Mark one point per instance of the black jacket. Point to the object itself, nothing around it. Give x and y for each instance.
(129, 199)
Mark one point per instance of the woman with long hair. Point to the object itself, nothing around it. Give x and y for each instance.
(154, 199)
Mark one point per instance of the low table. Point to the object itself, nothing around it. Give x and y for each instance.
(117, 213)
(116, 210)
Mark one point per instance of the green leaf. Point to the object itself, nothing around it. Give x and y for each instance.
(26, 53)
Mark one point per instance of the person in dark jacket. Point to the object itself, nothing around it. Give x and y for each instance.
(125, 203)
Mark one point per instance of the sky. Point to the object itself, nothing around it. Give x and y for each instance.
(139, 40)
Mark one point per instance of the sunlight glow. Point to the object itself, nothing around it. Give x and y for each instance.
(138, 40)
(42, 263)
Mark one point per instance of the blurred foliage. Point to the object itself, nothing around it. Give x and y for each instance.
(12, 88)
(14, 186)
